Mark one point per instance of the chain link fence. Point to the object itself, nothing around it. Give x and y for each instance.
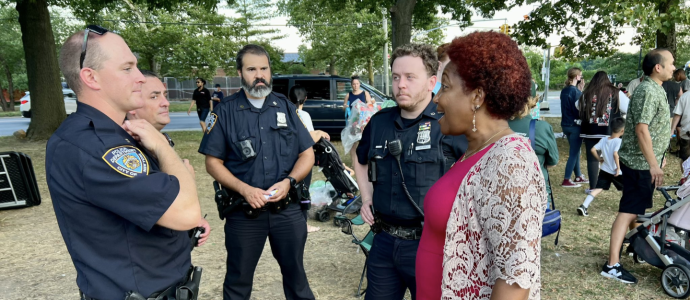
(179, 90)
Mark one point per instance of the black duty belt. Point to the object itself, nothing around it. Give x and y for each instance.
(401, 232)
(188, 289)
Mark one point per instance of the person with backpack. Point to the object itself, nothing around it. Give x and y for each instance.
(298, 95)
(599, 105)
(544, 141)
(610, 165)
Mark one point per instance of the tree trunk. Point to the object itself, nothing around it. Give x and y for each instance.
(331, 66)
(156, 66)
(3, 101)
(667, 40)
(401, 22)
(6, 106)
(42, 70)
(370, 70)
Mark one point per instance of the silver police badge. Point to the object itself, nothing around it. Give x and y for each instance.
(127, 160)
(282, 121)
(424, 137)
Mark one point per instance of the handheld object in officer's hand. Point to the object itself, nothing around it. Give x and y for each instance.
(273, 192)
(196, 235)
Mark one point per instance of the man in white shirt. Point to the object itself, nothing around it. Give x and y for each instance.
(682, 110)
(633, 84)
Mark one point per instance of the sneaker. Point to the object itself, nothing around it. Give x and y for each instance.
(569, 184)
(618, 273)
(587, 191)
(582, 210)
(581, 179)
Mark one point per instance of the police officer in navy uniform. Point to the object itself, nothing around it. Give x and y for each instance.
(426, 155)
(123, 198)
(156, 106)
(257, 147)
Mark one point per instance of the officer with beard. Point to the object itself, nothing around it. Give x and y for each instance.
(257, 148)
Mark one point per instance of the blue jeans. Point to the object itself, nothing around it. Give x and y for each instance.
(575, 141)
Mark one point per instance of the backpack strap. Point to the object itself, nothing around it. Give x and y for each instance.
(532, 126)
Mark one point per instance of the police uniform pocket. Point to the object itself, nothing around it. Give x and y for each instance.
(427, 167)
(287, 138)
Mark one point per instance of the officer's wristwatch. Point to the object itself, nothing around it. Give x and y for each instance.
(293, 182)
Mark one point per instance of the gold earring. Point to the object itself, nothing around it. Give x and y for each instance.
(474, 119)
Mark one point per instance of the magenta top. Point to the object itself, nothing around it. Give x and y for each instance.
(437, 206)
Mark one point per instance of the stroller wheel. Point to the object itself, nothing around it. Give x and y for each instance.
(638, 259)
(336, 222)
(323, 216)
(675, 279)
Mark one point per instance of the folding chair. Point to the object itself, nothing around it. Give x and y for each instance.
(364, 244)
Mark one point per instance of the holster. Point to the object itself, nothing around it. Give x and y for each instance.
(302, 194)
(225, 202)
(188, 290)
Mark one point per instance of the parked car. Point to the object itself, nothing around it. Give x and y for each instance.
(70, 103)
(325, 96)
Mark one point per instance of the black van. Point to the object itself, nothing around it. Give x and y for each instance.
(325, 96)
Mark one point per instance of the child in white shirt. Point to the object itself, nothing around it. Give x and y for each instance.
(610, 171)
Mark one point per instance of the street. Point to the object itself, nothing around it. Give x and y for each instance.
(180, 121)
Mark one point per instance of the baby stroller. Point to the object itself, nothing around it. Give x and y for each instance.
(326, 157)
(657, 242)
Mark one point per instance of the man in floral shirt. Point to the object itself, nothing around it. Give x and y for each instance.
(642, 150)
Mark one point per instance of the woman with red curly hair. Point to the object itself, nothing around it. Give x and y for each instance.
(482, 229)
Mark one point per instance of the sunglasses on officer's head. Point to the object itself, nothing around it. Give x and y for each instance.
(91, 28)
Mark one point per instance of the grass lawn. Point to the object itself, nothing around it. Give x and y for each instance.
(179, 106)
(333, 264)
(15, 113)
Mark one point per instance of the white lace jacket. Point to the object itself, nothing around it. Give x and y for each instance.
(494, 229)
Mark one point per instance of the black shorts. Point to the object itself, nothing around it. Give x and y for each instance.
(605, 180)
(638, 191)
(684, 151)
(202, 113)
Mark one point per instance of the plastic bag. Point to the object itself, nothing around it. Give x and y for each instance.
(535, 111)
(322, 193)
(360, 114)
(388, 103)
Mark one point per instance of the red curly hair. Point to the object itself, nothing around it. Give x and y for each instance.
(492, 61)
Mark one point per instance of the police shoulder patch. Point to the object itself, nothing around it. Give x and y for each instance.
(127, 160)
(211, 121)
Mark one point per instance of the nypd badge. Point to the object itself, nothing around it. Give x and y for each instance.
(127, 160)
(424, 136)
(282, 121)
(211, 121)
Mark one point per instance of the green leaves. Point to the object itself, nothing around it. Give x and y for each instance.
(590, 28)
(344, 46)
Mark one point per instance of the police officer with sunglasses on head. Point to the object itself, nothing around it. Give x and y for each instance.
(123, 199)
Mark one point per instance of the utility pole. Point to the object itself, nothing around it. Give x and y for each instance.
(385, 52)
(546, 71)
(639, 60)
